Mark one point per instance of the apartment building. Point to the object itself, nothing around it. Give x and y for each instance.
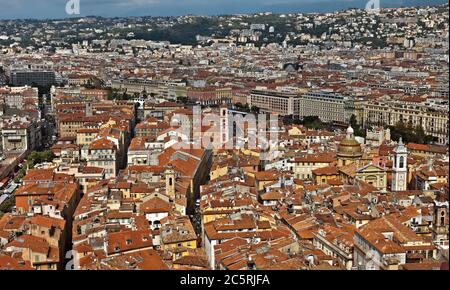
(377, 136)
(433, 119)
(386, 243)
(304, 165)
(210, 95)
(178, 236)
(169, 90)
(32, 77)
(20, 134)
(103, 153)
(329, 107)
(20, 97)
(143, 151)
(283, 103)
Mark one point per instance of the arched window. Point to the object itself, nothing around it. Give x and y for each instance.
(402, 162)
(170, 181)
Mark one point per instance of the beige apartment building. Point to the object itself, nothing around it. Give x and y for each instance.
(303, 166)
(329, 107)
(434, 120)
(103, 153)
(69, 125)
(159, 88)
(283, 103)
(20, 97)
(20, 134)
(85, 136)
(210, 95)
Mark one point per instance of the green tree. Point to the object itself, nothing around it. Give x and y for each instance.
(410, 134)
(241, 107)
(7, 205)
(353, 121)
(254, 110)
(358, 130)
(183, 100)
(313, 122)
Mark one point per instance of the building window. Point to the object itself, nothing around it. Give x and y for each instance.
(402, 162)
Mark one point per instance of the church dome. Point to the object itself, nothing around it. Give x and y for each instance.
(349, 147)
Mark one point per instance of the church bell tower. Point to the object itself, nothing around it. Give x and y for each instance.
(399, 167)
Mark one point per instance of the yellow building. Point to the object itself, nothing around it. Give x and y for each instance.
(359, 111)
(218, 171)
(86, 136)
(325, 174)
(264, 178)
(426, 151)
(178, 236)
(304, 165)
(252, 152)
(373, 175)
(295, 131)
(68, 127)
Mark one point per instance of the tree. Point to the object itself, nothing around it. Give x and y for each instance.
(7, 205)
(410, 134)
(358, 130)
(313, 122)
(353, 121)
(36, 157)
(243, 108)
(254, 110)
(183, 100)
(114, 94)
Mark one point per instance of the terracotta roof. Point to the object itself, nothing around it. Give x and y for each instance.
(9, 263)
(329, 170)
(155, 205)
(48, 222)
(124, 241)
(102, 143)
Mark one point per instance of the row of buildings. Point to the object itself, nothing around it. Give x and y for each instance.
(331, 107)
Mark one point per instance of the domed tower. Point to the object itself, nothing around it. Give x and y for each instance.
(349, 150)
(399, 167)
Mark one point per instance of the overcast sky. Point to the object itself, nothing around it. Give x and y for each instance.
(41, 9)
